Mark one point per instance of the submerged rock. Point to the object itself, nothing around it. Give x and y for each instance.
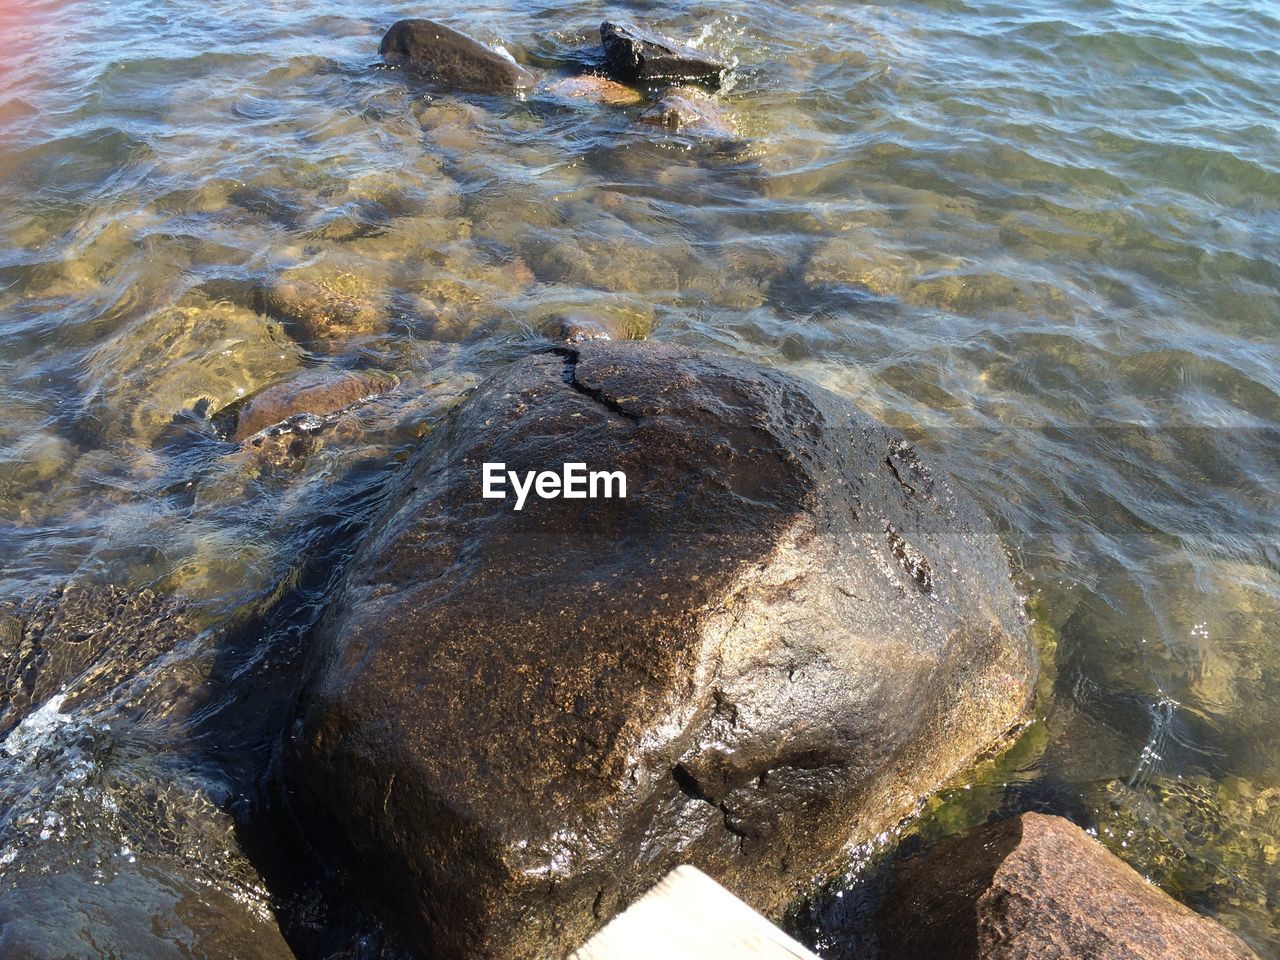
(636, 54)
(174, 366)
(317, 392)
(601, 326)
(322, 306)
(693, 111)
(599, 89)
(788, 632)
(453, 58)
(1039, 886)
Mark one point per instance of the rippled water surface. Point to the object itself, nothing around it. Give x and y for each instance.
(1041, 238)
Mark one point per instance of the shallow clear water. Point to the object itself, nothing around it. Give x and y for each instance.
(1042, 238)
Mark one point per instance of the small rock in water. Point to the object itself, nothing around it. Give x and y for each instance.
(689, 110)
(636, 54)
(453, 58)
(1038, 886)
(589, 87)
(575, 329)
(317, 392)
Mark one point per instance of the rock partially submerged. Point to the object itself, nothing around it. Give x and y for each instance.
(109, 844)
(1039, 886)
(323, 307)
(692, 111)
(316, 392)
(602, 326)
(453, 58)
(788, 632)
(635, 54)
(147, 912)
(598, 89)
(80, 643)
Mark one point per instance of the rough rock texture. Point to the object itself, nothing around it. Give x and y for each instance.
(317, 392)
(1038, 886)
(598, 89)
(81, 643)
(689, 110)
(788, 632)
(144, 913)
(453, 58)
(111, 843)
(637, 54)
(326, 307)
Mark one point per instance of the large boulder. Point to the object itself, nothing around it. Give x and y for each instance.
(788, 632)
(453, 58)
(636, 54)
(1038, 886)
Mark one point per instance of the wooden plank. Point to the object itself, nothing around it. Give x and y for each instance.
(688, 916)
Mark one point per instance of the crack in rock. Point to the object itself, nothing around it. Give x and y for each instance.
(571, 378)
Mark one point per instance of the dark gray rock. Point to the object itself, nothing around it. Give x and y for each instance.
(789, 631)
(1037, 886)
(453, 58)
(635, 54)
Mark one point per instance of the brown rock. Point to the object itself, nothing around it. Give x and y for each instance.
(788, 632)
(599, 89)
(690, 110)
(329, 307)
(317, 392)
(453, 58)
(1039, 887)
(601, 325)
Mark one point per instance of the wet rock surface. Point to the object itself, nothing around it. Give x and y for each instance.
(635, 54)
(154, 913)
(453, 58)
(316, 392)
(81, 643)
(693, 111)
(112, 841)
(1039, 886)
(790, 630)
(597, 89)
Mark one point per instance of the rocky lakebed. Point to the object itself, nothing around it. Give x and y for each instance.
(480, 731)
